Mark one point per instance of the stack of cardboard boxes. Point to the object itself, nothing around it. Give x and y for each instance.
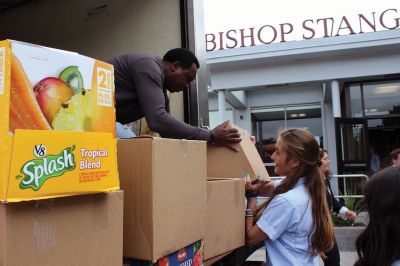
(55, 144)
(183, 201)
(179, 192)
(226, 167)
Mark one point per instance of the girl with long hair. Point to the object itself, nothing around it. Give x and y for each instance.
(379, 243)
(333, 255)
(295, 222)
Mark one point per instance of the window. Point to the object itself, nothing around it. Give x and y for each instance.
(355, 106)
(272, 120)
(381, 98)
(369, 99)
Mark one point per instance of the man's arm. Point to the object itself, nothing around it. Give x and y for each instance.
(149, 84)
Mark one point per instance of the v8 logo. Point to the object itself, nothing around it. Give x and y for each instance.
(39, 150)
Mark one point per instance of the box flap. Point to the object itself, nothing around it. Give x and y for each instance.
(5, 138)
(81, 89)
(144, 137)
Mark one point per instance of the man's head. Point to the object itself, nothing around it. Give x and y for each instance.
(180, 68)
(395, 154)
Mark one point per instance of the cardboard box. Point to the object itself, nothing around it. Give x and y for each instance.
(211, 261)
(43, 93)
(77, 230)
(165, 195)
(240, 159)
(191, 255)
(46, 88)
(225, 220)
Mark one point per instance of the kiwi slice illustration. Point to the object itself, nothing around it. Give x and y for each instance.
(73, 77)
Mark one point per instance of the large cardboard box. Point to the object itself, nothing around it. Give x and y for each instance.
(237, 160)
(44, 92)
(225, 220)
(165, 195)
(76, 230)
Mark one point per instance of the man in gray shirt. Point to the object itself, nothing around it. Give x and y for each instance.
(141, 84)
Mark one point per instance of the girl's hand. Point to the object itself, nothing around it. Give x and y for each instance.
(253, 187)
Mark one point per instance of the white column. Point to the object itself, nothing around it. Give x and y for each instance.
(336, 98)
(221, 105)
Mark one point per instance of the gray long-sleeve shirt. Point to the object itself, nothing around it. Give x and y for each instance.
(140, 92)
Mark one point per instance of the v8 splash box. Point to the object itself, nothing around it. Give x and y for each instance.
(50, 89)
(43, 93)
(55, 164)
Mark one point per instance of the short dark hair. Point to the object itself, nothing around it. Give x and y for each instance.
(379, 243)
(185, 56)
(395, 153)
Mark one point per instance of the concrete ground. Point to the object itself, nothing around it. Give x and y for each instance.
(347, 258)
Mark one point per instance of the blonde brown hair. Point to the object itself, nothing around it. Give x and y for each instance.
(321, 155)
(302, 146)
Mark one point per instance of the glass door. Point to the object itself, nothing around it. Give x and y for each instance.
(351, 141)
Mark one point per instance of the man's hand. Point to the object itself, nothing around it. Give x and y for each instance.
(225, 136)
(351, 216)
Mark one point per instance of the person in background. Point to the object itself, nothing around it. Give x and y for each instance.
(333, 255)
(295, 223)
(395, 154)
(141, 84)
(379, 243)
(375, 163)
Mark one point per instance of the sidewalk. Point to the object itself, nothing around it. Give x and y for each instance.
(347, 258)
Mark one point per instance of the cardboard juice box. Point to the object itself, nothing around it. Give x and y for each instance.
(50, 89)
(191, 255)
(56, 111)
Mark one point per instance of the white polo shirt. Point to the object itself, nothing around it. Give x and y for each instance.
(288, 221)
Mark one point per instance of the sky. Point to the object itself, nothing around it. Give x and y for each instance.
(224, 15)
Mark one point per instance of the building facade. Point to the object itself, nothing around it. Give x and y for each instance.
(344, 89)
